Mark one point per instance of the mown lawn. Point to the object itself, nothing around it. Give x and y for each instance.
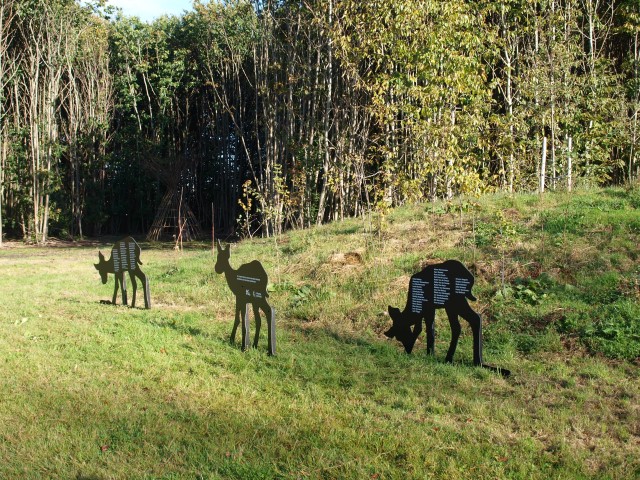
(94, 391)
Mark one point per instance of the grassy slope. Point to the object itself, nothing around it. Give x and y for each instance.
(97, 391)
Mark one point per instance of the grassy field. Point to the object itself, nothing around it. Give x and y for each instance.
(94, 391)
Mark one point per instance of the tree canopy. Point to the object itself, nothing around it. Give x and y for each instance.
(267, 115)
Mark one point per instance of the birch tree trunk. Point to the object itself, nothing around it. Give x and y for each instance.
(6, 66)
(326, 120)
(543, 165)
(569, 164)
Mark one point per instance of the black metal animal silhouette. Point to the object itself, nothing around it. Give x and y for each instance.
(444, 285)
(249, 284)
(125, 257)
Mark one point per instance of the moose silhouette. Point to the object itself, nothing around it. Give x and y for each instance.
(249, 284)
(444, 285)
(125, 257)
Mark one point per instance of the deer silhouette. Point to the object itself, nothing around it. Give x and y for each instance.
(444, 285)
(125, 257)
(249, 284)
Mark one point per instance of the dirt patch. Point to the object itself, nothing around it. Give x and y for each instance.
(348, 258)
(511, 214)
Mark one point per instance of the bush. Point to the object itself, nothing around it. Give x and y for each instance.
(613, 329)
(600, 289)
(616, 332)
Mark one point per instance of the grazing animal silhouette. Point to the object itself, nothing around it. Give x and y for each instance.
(444, 285)
(249, 284)
(125, 257)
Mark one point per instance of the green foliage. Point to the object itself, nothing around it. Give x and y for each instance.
(330, 109)
(533, 290)
(603, 288)
(611, 329)
(500, 227)
(616, 333)
(565, 222)
(300, 296)
(161, 392)
(408, 263)
(536, 343)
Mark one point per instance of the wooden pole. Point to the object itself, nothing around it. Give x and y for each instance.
(213, 231)
(178, 245)
(543, 164)
(569, 169)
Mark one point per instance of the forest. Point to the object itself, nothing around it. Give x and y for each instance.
(253, 117)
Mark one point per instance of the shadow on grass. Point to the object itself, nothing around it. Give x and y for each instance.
(383, 348)
(183, 329)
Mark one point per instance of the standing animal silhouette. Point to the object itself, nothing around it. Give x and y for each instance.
(444, 285)
(249, 284)
(125, 257)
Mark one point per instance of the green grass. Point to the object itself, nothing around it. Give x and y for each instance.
(97, 391)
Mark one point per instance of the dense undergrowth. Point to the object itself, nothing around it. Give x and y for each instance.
(549, 269)
(98, 391)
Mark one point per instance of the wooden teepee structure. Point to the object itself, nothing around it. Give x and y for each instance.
(174, 219)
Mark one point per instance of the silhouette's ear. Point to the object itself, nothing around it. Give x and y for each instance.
(394, 313)
(97, 265)
(100, 256)
(219, 246)
(389, 333)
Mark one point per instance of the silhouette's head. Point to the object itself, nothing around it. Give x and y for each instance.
(222, 261)
(101, 266)
(400, 329)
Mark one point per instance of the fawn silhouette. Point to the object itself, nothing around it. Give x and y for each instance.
(125, 257)
(249, 284)
(444, 285)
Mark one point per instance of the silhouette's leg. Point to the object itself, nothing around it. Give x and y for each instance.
(236, 322)
(430, 317)
(271, 320)
(245, 328)
(134, 286)
(415, 319)
(123, 287)
(258, 320)
(475, 321)
(115, 290)
(455, 333)
(145, 287)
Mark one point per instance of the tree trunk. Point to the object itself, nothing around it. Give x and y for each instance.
(326, 124)
(543, 165)
(3, 156)
(569, 164)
